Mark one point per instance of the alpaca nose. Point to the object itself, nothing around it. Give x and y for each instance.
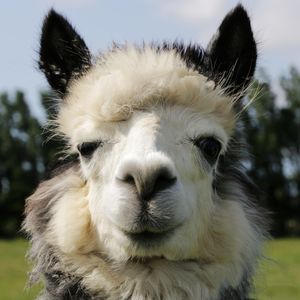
(149, 182)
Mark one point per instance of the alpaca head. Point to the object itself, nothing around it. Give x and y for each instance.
(150, 125)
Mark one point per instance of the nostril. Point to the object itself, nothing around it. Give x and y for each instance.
(163, 181)
(148, 183)
(158, 181)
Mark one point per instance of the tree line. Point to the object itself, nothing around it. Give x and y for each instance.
(271, 126)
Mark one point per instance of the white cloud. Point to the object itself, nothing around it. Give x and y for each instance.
(278, 23)
(275, 24)
(194, 11)
(204, 15)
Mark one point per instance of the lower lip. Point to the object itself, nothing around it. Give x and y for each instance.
(149, 239)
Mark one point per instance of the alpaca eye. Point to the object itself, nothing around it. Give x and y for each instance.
(88, 148)
(210, 148)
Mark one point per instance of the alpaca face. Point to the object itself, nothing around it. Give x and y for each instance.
(150, 181)
(149, 126)
(148, 158)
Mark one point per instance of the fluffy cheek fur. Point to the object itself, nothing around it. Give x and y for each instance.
(63, 231)
(216, 242)
(222, 248)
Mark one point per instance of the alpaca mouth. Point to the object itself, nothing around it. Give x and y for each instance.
(151, 232)
(148, 238)
(146, 259)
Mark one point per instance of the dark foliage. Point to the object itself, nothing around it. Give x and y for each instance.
(24, 158)
(272, 127)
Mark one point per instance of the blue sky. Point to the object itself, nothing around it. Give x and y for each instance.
(276, 26)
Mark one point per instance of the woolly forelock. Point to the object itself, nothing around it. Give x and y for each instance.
(130, 78)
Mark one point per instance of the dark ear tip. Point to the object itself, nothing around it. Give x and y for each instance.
(239, 9)
(52, 17)
(52, 14)
(239, 13)
(238, 21)
(63, 53)
(54, 24)
(233, 50)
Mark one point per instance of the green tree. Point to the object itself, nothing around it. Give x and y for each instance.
(290, 143)
(272, 132)
(21, 161)
(27, 154)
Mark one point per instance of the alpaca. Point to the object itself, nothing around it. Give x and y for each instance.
(156, 203)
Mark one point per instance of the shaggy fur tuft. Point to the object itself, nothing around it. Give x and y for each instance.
(157, 204)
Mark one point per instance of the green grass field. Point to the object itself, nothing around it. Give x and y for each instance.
(279, 274)
(277, 279)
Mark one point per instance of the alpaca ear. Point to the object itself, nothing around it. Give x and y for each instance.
(63, 53)
(232, 51)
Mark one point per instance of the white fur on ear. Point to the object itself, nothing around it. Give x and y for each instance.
(69, 235)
